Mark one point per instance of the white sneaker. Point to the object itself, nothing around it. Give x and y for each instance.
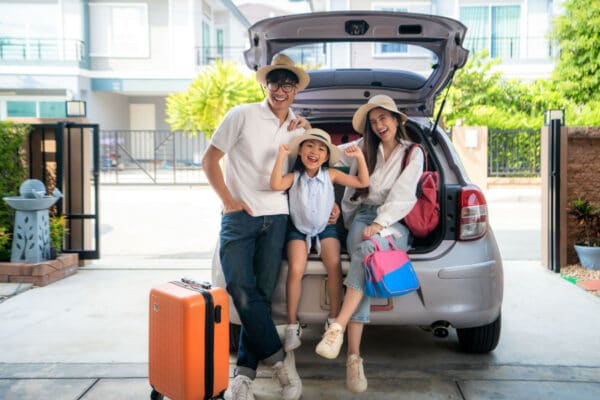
(241, 388)
(355, 375)
(329, 322)
(293, 332)
(330, 345)
(285, 372)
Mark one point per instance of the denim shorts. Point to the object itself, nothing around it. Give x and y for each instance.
(330, 231)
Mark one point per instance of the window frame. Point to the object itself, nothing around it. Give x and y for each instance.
(111, 46)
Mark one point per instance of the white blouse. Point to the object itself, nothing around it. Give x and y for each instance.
(393, 191)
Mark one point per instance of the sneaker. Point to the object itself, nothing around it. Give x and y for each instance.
(330, 345)
(355, 375)
(329, 322)
(241, 388)
(293, 332)
(285, 372)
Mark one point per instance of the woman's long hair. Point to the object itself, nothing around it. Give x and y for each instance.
(369, 148)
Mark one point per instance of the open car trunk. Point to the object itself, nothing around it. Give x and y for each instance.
(341, 132)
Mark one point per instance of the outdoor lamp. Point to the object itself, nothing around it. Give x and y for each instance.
(75, 108)
(549, 115)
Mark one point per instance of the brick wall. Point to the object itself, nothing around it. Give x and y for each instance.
(583, 175)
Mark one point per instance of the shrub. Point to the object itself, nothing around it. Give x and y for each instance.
(13, 171)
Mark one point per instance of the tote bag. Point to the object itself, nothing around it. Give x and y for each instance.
(389, 273)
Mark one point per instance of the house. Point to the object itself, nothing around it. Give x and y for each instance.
(121, 58)
(124, 58)
(513, 30)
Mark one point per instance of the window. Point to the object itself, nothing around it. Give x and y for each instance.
(21, 109)
(33, 108)
(390, 49)
(119, 30)
(220, 43)
(401, 49)
(52, 109)
(495, 28)
(205, 43)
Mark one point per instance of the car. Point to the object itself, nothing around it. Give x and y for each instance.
(458, 264)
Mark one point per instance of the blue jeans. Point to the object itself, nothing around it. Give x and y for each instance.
(251, 249)
(359, 248)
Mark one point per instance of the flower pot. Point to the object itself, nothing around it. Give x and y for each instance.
(589, 257)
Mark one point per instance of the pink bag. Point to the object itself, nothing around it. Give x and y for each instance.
(425, 215)
(389, 272)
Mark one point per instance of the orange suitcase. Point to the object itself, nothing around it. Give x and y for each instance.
(189, 341)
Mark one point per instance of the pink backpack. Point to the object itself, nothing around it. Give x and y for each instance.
(425, 215)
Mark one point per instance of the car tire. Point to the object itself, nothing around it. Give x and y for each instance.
(480, 339)
(234, 337)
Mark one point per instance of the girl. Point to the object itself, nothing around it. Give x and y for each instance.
(311, 198)
(376, 212)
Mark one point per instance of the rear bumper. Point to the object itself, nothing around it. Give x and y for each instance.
(462, 283)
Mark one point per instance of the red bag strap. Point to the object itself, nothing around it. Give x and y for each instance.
(408, 154)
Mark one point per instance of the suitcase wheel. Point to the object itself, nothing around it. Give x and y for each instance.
(156, 396)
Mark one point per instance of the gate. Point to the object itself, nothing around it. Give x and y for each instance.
(65, 155)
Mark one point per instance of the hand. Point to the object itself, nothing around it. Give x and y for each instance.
(299, 122)
(353, 151)
(335, 214)
(284, 150)
(372, 230)
(234, 206)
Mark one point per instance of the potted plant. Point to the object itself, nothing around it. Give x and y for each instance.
(58, 230)
(587, 243)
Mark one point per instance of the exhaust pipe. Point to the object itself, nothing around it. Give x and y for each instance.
(440, 329)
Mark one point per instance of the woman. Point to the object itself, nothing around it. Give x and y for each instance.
(374, 212)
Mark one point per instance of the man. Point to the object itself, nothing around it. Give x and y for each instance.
(254, 220)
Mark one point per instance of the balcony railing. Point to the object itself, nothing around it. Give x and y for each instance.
(41, 49)
(514, 48)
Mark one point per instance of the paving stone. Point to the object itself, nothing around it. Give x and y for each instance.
(36, 389)
(119, 389)
(11, 289)
(528, 390)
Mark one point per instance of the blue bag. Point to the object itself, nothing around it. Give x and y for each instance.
(389, 273)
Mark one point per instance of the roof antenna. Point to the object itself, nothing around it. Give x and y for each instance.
(439, 114)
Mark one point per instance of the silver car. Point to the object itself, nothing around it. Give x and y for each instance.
(458, 264)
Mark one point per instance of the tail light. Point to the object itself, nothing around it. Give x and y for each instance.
(473, 214)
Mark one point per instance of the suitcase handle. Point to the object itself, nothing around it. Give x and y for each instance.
(203, 285)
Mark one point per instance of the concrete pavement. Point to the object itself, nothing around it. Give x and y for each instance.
(86, 337)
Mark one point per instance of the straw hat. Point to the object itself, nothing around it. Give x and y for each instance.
(315, 134)
(359, 121)
(281, 61)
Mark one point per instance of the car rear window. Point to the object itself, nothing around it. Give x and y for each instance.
(390, 56)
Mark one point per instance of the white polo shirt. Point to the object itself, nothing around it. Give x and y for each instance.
(250, 136)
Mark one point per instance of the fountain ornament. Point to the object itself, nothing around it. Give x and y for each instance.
(31, 236)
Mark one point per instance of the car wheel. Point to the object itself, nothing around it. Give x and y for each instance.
(480, 339)
(234, 337)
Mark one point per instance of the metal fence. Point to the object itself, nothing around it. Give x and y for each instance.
(167, 157)
(514, 153)
(151, 157)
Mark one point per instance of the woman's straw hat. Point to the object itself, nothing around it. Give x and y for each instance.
(359, 121)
